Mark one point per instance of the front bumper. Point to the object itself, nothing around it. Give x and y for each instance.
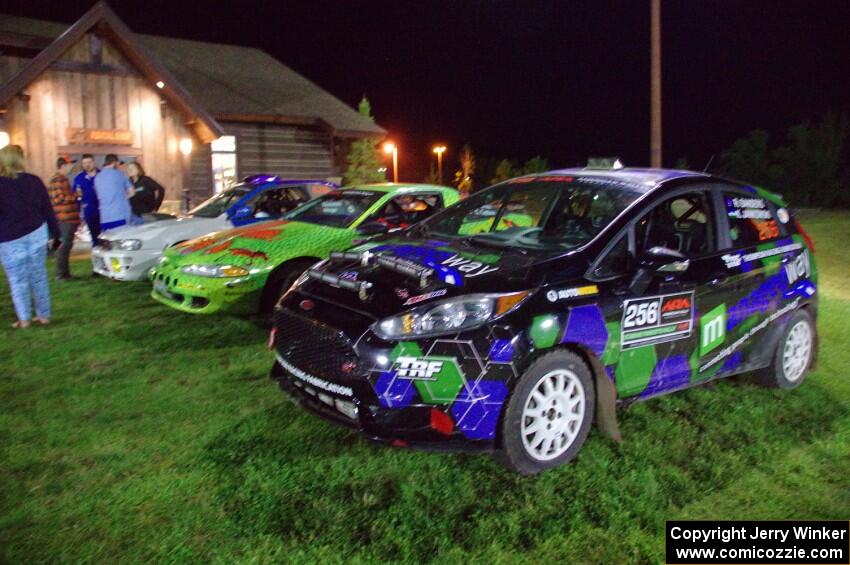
(357, 380)
(123, 265)
(411, 426)
(205, 295)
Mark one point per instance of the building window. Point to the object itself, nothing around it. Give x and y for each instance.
(223, 162)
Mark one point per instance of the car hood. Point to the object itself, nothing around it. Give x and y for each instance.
(159, 229)
(459, 268)
(256, 246)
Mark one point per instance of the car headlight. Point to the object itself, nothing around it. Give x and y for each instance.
(215, 271)
(448, 316)
(127, 244)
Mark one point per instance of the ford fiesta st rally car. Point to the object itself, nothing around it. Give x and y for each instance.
(509, 320)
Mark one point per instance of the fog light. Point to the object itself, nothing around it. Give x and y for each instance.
(348, 409)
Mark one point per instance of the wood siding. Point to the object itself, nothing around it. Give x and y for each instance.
(284, 150)
(121, 100)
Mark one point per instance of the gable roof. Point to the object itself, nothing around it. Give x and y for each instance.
(232, 83)
(101, 17)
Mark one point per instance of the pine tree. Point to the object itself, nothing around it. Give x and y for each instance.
(363, 158)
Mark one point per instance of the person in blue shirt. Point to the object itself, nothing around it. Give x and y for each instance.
(84, 188)
(113, 190)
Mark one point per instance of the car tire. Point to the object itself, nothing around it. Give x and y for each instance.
(794, 353)
(549, 414)
(279, 281)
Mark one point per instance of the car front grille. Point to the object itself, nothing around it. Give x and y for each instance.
(315, 348)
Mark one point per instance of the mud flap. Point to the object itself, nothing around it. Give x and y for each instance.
(606, 402)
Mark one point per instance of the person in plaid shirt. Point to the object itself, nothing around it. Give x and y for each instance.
(67, 211)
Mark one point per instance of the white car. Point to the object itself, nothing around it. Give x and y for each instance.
(128, 253)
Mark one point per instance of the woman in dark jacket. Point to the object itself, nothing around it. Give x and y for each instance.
(26, 216)
(149, 193)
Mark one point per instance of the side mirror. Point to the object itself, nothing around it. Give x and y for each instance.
(654, 262)
(664, 260)
(372, 228)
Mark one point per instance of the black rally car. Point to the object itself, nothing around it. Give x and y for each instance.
(508, 320)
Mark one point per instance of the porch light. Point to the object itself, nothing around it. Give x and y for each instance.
(186, 146)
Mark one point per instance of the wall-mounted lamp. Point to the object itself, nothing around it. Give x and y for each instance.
(186, 146)
(160, 84)
(4, 139)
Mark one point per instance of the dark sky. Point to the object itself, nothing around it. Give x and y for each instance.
(563, 79)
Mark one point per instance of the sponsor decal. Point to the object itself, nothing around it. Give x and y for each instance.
(732, 260)
(314, 381)
(566, 293)
(747, 208)
(798, 267)
(712, 329)
(417, 369)
(729, 350)
(402, 293)
(467, 266)
(783, 215)
(767, 229)
(348, 275)
(657, 319)
(424, 297)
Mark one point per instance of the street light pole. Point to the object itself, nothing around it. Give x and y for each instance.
(439, 150)
(655, 86)
(390, 147)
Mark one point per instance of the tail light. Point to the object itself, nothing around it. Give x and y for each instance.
(809, 241)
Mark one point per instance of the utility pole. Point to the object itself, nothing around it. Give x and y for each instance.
(655, 88)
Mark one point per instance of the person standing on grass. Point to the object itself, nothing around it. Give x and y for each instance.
(113, 190)
(147, 193)
(26, 217)
(67, 211)
(84, 188)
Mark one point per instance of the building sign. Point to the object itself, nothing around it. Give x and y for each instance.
(82, 136)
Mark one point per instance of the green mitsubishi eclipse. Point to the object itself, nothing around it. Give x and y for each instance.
(246, 269)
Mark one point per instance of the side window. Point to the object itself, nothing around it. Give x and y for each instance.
(407, 209)
(682, 223)
(275, 202)
(317, 190)
(751, 220)
(616, 261)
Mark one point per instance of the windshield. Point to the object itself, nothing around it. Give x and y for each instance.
(215, 206)
(547, 213)
(338, 209)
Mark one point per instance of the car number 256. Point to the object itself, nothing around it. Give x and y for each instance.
(642, 314)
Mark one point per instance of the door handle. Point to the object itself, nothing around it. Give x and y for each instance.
(719, 279)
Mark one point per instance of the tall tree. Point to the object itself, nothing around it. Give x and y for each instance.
(364, 159)
(463, 177)
(506, 169)
(536, 164)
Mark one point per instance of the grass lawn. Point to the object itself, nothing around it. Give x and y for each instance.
(131, 432)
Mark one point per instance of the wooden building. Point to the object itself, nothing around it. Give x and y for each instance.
(196, 115)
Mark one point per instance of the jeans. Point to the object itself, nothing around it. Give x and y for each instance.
(24, 260)
(93, 223)
(66, 235)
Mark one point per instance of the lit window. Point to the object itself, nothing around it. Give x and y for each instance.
(223, 162)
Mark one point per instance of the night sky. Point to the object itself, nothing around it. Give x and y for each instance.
(563, 79)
